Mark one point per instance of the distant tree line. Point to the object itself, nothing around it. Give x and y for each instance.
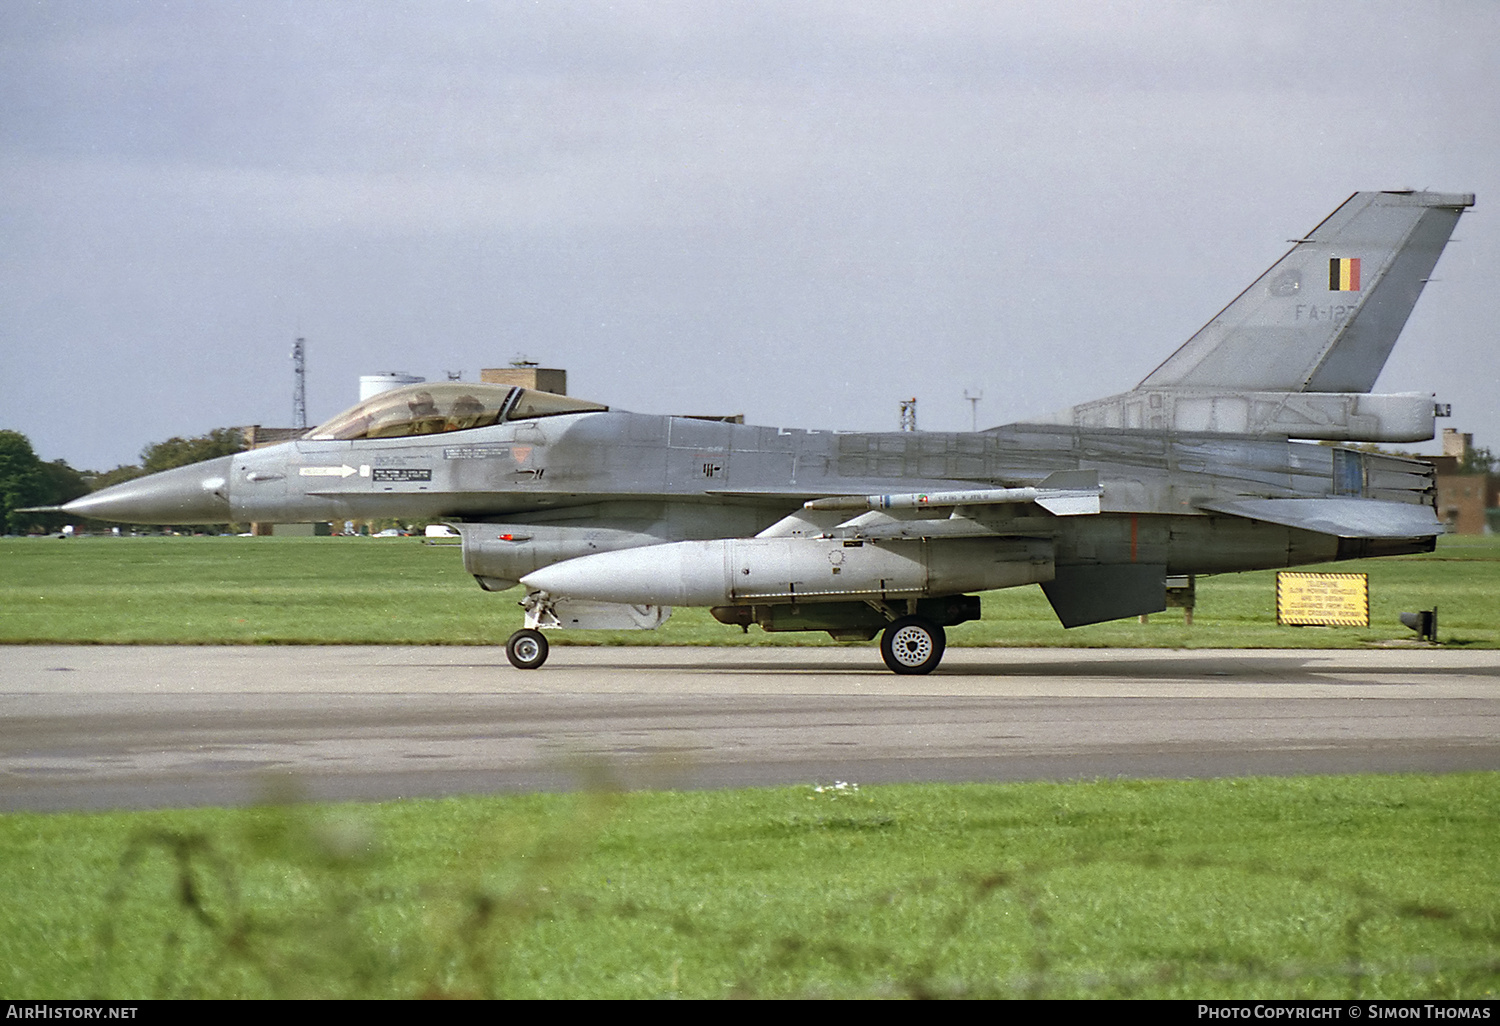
(179, 452)
(1477, 460)
(26, 480)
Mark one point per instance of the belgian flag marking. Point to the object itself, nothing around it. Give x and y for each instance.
(1343, 274)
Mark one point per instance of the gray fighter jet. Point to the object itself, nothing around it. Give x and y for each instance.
(609, 519)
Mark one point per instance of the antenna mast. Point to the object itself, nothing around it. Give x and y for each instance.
(973, 401)
(909, 414)
(299, 384)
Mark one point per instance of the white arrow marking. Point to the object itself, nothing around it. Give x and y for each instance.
(327, 471)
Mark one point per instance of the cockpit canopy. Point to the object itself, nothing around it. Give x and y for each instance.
(448, 406)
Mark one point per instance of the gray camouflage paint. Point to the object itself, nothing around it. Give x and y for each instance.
(1180, 494)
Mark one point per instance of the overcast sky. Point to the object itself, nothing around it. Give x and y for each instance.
(803, 212)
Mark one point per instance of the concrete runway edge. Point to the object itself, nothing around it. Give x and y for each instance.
(96, 727)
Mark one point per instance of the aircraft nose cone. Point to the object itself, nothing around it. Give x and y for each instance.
(196, 494)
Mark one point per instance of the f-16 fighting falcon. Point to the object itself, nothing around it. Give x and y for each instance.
(609, 519)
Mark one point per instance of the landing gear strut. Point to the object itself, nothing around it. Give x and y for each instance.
(526, 649)
(912, 645)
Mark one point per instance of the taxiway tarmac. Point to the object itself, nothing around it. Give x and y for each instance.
(93, 727)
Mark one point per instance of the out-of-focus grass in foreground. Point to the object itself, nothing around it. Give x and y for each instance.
(1305, 887)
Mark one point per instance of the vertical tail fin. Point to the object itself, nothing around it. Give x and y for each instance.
(1325, 317)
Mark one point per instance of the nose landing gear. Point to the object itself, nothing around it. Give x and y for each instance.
(526, 649)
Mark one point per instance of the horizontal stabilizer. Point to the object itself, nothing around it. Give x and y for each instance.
(1341, 517)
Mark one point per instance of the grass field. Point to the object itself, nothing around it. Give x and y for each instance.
(1333, 887)
(179, 590)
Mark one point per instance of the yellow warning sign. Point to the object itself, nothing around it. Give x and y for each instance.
(1323, 600)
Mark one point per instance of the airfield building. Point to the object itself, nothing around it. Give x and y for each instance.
(1467, 501)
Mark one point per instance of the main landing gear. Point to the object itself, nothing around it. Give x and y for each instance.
(526, 649)
(913, 645)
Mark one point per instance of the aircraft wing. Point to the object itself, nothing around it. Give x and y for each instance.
(1344, 517)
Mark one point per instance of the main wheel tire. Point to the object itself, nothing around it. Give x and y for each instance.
(526, 649)
(913, 645)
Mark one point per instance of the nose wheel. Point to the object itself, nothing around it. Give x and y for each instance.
(912, 645)
(526, 649)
